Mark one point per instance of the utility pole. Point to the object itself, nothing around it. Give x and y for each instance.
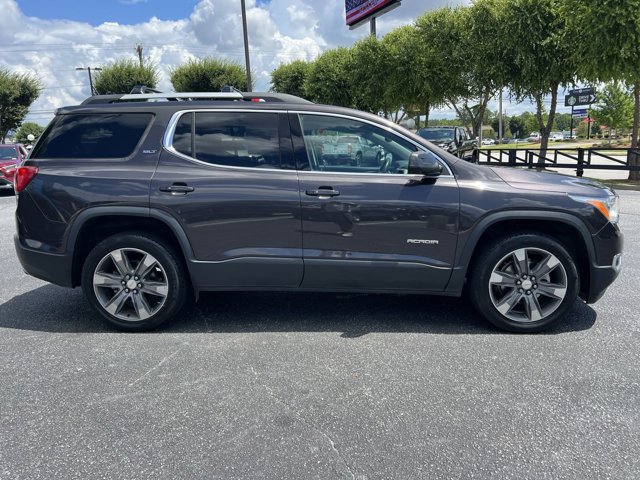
(500, 119)
(372, 27)
(139, 49)
(88, 69)
(246, 45)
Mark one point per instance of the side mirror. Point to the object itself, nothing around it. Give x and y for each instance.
(425, 164)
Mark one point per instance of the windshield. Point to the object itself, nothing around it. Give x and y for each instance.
(436, 134)
(8, 153)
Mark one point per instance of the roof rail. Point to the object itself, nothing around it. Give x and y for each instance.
(190, 96)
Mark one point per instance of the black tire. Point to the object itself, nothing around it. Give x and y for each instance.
(139, 293)
(523, 292)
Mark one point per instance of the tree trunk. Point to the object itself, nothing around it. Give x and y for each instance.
(634, 158)
(427, 111)
(545, 130)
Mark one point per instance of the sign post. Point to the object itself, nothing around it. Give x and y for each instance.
(579, 97)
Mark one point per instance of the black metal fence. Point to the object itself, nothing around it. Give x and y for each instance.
(580, 159)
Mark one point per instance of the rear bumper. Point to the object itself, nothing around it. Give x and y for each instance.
(50, 267)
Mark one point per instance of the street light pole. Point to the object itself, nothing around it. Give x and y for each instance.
(90, 78)
(246, 45)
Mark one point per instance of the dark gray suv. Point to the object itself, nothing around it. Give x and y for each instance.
(147, 203)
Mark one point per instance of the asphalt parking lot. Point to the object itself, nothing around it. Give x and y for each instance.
(297, 386)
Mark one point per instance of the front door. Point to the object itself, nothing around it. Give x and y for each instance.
(372, 226)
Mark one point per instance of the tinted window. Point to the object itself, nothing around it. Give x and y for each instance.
(92, 136)
(238, 139)
(436, 134)
(8, 153)
(337, 144)
(182, 135)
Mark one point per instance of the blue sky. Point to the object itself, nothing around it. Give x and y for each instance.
(50, 38)
(96, 12)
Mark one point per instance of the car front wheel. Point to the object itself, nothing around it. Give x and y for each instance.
(134, 282)
(524, 283)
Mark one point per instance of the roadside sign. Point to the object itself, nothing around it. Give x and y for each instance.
(580, 96)
(579, 111)
(580, 115)
(583, 91)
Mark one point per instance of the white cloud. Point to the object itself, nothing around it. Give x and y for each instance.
(279, 31)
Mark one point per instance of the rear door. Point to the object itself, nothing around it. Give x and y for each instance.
(372, 227)
(228, 177)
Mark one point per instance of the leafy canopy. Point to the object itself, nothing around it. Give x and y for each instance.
(209, 75)
(122, 75)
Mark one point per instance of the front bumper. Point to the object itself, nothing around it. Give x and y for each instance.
(608, 244)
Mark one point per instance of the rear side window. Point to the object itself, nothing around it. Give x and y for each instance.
(233, 139)
(92, 136)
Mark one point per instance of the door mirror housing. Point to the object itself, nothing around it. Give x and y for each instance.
(425, 164)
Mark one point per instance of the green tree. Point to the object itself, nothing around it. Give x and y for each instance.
(517, 127)
(413, 80)
(609, 36)
(562, 122)
(369, 71)
(122, 75)
(28, 128)
(541, 60)
(614, 108)
(289, 78)
(329, 79)
(17, 92)
(462, 48)
(209, 75)
(530, 122)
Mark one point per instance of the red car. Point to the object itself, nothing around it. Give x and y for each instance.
(11, 156)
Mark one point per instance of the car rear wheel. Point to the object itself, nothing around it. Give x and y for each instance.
(524, 283)
(134, 282)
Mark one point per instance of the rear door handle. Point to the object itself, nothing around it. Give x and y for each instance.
(177, 189)
(323, 193)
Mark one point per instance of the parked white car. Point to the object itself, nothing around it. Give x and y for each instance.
(556, 137)
(488, 141)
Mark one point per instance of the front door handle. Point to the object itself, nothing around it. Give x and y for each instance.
(177, 189)
(323, 192)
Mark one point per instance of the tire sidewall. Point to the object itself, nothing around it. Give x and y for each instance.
(172, 266)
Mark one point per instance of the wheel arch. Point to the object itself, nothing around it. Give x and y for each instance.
(572, 234)
(95, 224)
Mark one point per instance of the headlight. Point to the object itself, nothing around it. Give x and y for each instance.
(609, 207)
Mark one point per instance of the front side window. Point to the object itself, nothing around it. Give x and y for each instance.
(232, 139)
(92, 136)
(336, 144)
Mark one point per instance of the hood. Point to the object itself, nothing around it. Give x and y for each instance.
(550, 182)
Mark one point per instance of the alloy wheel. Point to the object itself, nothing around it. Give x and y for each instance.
(130, 284)
(528, 285)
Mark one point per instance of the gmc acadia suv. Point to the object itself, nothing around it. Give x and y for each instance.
(147, 199)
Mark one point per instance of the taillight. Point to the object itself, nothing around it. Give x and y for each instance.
(23, 176)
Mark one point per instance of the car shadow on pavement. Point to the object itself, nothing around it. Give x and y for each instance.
(6, 192)
(54, 309)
